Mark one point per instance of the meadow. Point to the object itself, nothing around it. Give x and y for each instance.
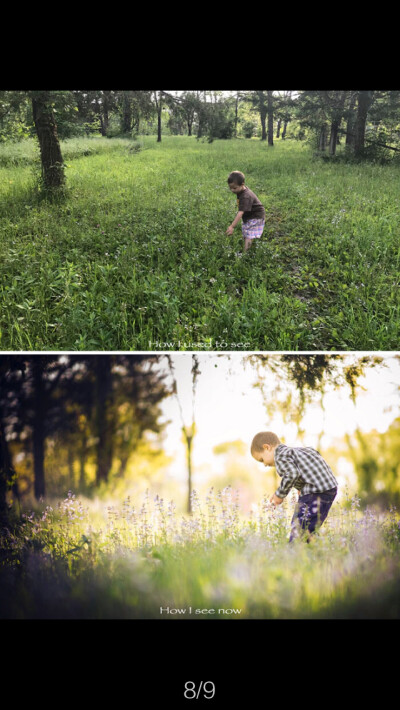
(136, 257)
(141, 559)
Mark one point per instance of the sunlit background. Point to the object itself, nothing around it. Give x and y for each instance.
(229, 410)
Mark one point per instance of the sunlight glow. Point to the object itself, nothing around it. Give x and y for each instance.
(227, 408)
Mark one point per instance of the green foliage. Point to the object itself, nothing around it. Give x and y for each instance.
(114, 268)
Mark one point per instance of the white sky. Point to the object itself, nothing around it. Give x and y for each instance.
(227, 407)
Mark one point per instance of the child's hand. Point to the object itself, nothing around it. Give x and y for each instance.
(275, 499)
(229, 231)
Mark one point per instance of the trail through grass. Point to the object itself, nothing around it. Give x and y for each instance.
(136, 257)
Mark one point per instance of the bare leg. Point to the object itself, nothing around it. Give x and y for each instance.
(247, 243)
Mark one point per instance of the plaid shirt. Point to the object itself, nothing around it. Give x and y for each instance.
(304, 468)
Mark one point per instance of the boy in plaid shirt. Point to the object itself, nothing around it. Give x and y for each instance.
(303, 468)
(250, 210)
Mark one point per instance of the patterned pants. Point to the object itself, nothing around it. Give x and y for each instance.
(253, 228)
(310, 512)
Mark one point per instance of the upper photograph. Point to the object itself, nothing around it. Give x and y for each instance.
(199, 220)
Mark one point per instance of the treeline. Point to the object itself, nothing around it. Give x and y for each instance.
(92, 411)
(367, 123)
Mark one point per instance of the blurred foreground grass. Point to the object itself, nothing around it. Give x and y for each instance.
(129, 562)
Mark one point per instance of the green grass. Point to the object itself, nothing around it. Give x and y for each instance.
(128, 561)
(136, 257)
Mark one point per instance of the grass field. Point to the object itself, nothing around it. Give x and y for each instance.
(136, 257)
(140, 559)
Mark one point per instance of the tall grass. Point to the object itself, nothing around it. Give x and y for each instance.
(136, 257)
(143, 560)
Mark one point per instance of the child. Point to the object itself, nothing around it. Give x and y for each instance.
(251, 211)
(306, 470)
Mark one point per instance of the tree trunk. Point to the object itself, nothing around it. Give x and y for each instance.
(270, 119)
(284, 130)
(263, 116)
(263, 113)
(103, 417)
(106, 109)
(50, 151)
(38, 428)
(6, 470)
(350, 120)
(336, 121)
(236, 114)
(322, 138)
(159, 108)
(333, 137)
(159, 127)
(127, 112)
(189, 459)
(364, 102)
(278, 128)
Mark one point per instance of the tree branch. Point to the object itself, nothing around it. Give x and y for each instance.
(370, 140)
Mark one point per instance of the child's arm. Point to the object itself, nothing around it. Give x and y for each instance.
(234, 223)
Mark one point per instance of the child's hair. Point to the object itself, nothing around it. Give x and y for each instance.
(237, 177)
(263, 437)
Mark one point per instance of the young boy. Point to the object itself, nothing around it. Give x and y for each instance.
(304, 469)
(251, 211)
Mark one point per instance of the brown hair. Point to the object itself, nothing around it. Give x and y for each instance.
(264, 437)
(236, 177)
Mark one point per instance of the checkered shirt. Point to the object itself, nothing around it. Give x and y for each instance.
(304, 468)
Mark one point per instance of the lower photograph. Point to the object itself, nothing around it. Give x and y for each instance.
(193, 487)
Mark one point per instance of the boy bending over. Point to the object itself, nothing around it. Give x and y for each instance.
(303, 468)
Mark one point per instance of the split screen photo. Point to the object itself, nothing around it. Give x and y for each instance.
(199, 363)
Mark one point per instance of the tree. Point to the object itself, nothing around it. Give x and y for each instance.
(125, 392)
(104, 417)
(44, 374)
(28, 384)
(336, 115)
(365, 99)
(258, 100)
(126, 111)
(270, 111)
(262, 102)
(183, 108)
(284, 105)
(11, 370)
(105, 101)
(237, 99)
(187, 431)
(158, 101)
(323, 112)
(350, 116)
(310, 374)
(50, 152)
(81, 404)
